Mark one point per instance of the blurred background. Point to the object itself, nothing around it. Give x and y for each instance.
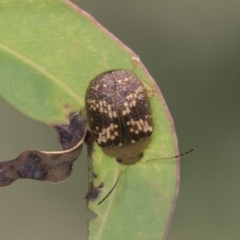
(192, 49)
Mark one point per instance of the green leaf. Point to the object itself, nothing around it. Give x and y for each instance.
(49, 51)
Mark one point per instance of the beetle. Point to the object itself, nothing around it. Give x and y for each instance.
(119, 114)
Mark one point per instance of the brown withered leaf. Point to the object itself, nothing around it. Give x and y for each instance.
(70, 135)
(48, 166)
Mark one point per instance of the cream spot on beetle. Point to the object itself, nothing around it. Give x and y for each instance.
(132, 103)
(107, 133)
(137, 126)
(129, 97)
(96, 87)
(126, 108)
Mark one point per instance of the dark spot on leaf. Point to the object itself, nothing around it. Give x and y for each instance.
(67, 106)
(93, 193)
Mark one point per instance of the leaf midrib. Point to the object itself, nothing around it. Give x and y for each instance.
(43, 71)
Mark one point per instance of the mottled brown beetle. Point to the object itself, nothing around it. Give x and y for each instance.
(120, 117)
(119, 114)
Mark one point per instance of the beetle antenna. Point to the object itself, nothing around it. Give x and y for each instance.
(180, 155)
(115, 184)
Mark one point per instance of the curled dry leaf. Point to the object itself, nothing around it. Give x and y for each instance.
(48, 166)
(74, 133)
